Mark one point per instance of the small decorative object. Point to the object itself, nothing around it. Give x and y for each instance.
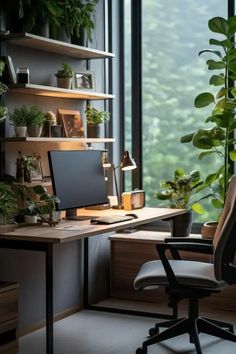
(29, 168)
(94, 119)
(56, 131)
(64, 76)
(209, 229)
(49, 121)
(35, 121)
(179, 192)
(22, 75)
(84, 80)
(72, 123)
(19, 118)
(133, 200)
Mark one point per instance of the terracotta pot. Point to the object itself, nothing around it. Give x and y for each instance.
(209, 229)
(180, 226)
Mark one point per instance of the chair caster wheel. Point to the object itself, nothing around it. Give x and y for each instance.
(141, 351)
(153, 331)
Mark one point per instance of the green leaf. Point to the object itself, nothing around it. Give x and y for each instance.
(39, 189)
(216, 52)
(187, 138)
(215, 65)
(197, 207)
(233, 92)
(222, 92)
(219, 25)
(206, 153)
(232, 66)
(217, 80)
(211, 178)
(232, 155)
(203, 100)
(232, 125)
(217, 203)
(201, 140)
(226, 43)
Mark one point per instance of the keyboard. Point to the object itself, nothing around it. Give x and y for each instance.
(111, 219)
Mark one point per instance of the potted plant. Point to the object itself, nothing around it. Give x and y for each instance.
(76, 19)
(217, 140)
(19, 118)
(180, 193)
(35, 120)
(64, 76)
(3, 89)
(8, 206)
(39, 203)
(94, 119)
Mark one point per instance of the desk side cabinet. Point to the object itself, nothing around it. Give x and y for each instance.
(8, 318)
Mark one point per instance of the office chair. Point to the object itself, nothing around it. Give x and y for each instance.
(194, 280)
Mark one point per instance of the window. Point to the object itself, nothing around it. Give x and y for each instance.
(173, 32)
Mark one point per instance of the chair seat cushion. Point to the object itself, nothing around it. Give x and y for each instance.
(189, 273)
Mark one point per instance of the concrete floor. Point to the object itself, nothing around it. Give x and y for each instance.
(92, 332)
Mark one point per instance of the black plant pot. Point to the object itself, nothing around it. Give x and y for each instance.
(180, 226)
(93, 130)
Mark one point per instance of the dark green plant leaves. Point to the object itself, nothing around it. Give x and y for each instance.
(203, 100)
(217, 80)
(216, 52)
(219, 25)
(215, 65)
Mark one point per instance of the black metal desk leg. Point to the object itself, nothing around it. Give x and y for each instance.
(49, 299)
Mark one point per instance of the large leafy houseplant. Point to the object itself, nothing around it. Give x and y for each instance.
(182, 191)
(218, 140)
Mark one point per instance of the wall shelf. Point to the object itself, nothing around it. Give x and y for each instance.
(53, 46)
(56, 140)
(50, 91)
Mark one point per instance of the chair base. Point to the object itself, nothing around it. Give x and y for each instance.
(192, 326)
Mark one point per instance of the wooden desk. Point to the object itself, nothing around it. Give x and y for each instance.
(42, 238)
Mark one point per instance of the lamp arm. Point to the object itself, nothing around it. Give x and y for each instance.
(116, 185)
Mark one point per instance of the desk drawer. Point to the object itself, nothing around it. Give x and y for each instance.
(8, 303)
(8, 337)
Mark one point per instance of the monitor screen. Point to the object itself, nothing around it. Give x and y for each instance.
(77, 178)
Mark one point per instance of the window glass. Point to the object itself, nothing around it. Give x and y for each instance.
(173, 74)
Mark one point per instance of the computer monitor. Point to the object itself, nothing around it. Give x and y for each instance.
(77, 179)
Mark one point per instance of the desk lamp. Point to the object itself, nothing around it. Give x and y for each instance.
(126, 164)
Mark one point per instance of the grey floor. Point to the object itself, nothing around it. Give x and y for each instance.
(91, 332)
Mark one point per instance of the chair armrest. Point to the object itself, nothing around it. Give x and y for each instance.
(192, 247)
(188, 239)
(161, 250)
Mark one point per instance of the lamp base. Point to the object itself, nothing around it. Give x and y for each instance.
(119, 206)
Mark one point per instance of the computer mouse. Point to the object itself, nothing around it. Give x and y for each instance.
(135, 216)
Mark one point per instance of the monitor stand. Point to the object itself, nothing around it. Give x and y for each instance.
(98, 207)
(71, 214)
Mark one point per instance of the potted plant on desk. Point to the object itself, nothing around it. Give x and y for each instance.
(180, 192)
(19, 118)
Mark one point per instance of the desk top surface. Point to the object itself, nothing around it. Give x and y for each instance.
(69, 230)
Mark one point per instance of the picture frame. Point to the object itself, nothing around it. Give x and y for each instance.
(72, 123)
(84, 80)
(9, 74)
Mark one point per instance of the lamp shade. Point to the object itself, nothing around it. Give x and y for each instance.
(127, 163)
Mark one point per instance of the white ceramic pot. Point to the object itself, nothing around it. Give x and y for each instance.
(31, 219)
(20, 131)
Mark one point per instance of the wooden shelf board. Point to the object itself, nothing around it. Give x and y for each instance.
(57, 140)
(58, 92)
(30, 40)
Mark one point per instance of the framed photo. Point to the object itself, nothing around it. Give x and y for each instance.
(84, 80)
(9, 74)
(72, 123)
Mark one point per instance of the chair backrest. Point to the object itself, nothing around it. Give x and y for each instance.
(224, 241)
